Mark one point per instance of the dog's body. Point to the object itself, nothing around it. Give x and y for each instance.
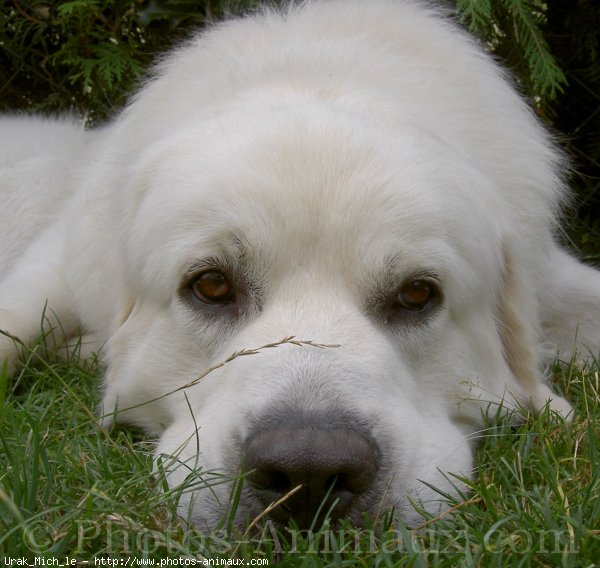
(348, 173)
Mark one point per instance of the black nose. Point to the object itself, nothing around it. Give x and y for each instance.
(333, 468)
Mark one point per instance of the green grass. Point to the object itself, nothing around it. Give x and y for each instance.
(69, 488)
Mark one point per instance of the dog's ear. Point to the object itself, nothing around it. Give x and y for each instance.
(114, 350)
(516, 314)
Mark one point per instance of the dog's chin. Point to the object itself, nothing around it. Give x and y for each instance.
(205, 511)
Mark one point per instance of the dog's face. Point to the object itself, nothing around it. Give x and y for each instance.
(306, 223)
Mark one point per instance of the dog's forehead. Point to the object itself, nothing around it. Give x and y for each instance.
(307, 182)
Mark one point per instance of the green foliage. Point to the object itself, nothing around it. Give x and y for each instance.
(82, 55)
(87, 55)
(513, 30)
(553, 50)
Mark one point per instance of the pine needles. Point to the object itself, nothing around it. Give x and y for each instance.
(513, 29)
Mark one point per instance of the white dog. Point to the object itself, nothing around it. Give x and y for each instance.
(351, 173)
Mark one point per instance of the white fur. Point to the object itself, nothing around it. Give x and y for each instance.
(327, 153)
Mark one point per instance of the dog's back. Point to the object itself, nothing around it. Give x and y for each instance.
(38, 163)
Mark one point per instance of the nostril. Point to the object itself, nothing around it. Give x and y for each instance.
(272, 480)
(334, 483)
(337, 484)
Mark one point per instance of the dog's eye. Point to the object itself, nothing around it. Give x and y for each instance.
(417, 294)
(213, 287)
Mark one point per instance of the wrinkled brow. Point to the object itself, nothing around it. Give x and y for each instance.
(231, 253)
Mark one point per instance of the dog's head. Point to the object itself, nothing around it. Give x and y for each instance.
(367, 197)
(381, 251)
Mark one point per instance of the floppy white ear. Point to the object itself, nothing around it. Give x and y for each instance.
(517, 314)
(115, 348)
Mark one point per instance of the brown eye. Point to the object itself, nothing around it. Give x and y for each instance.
(417, 294)
(213, 287)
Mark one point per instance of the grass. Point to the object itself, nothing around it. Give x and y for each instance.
(71, 489)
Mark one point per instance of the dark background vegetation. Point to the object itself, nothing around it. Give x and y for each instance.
(85, 56)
